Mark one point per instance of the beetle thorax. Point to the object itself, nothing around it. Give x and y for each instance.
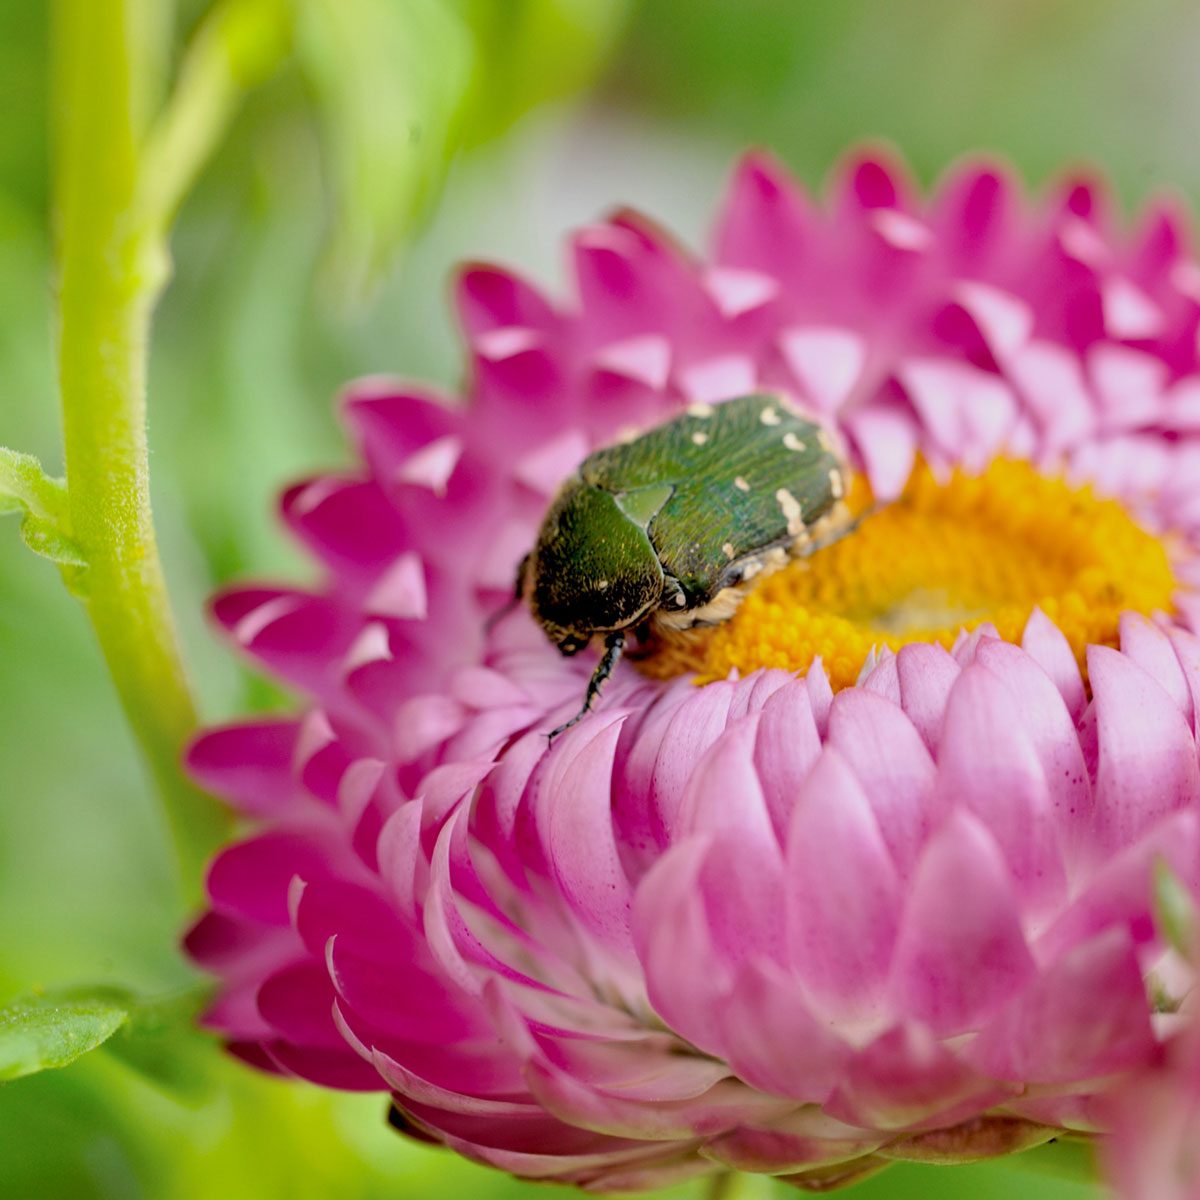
(593, 570)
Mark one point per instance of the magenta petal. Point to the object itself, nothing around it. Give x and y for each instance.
(1048, 647)
(842, 908)
(960, 953)
(1147, 764)
(297, 1001)
(1084, 1017)
(252, 878)
(764, 223)
(248, 764)
(492, 298)
(338, 1069)
(406, 1000)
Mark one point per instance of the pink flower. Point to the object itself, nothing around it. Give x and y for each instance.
(1153, 1152)
(775, 923)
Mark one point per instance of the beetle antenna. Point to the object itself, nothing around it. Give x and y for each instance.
(614, 643)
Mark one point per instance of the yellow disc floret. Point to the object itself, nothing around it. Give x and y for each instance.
(946, 556)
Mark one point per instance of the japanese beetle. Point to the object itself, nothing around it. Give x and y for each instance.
(666, 530)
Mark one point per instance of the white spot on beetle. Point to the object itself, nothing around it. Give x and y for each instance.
(701, 410)
(741, 484)
(727, 550)
(602, 584)
(836, 487)
(792, 442)
(770, 415)
(699, 439)
(824, 442)
(790, 507)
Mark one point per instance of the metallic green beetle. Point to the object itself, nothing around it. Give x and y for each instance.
(666, 530)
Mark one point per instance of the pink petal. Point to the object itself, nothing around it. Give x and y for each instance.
(907, 1079)
(774, 1041)
(926, 674)
(990, 766)
(1147, 763)
(841, 908)
(960, 952)
(1047, 645)
(1084, 1017)
(882, 748)
(248, 764)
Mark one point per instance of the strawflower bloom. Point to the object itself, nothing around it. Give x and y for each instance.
(1153, 1150)
(863, 875)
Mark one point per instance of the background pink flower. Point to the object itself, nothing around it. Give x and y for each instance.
(757, 924)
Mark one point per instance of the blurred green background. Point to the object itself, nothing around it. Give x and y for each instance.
(400, 137)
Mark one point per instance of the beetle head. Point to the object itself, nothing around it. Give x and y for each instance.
(592, 571)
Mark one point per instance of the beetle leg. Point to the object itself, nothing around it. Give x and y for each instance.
(513, 602)
(614, 643)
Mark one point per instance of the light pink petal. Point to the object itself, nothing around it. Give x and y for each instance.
(578, 835)
(886, 439)
(907, 1079)
(1187, 649)
(841, 908)
(400, 591)
(724, 1106)
(926, 674)
(1148, 646)
(1047, 645)
(883, 749)
(773, 1040)
(799, 1141)
(686, 978)
(786, 749)
(960, 953)
(1147, 766)
(826, 362)
(989, 765)
(1086, 1016)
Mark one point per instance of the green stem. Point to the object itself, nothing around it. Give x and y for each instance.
(733, 1185)
(115, 194)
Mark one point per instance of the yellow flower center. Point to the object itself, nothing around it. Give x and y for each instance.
(946, 556)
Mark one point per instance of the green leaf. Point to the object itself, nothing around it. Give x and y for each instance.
(1175, 910)
(41, 502)
(39, 1033)
(389, 80)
